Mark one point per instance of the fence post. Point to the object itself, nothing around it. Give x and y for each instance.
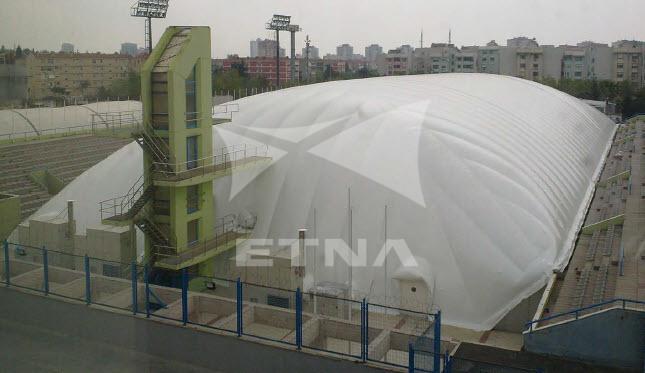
(7, 272)
(135, 297)
(411, 359)
(437, 342)
(184, 296)
(45, 271)
(298, 319)
(88, 286)
(145, 280)
(448, 363)
(367, 330)
(363, 331)
(239, 308)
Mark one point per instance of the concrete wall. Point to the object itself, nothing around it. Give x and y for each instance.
(10, 212)
(220, 353)
(516, 320)
(613, 338)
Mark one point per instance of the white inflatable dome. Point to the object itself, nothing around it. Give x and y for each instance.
(487, 179)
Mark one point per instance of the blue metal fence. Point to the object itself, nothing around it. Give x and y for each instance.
(360, 330)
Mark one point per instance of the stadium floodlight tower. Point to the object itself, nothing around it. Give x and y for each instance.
(149, 9)
(278, 23)
(293, 29)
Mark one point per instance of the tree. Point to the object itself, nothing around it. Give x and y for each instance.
(128, 87)
(102, 93)
(240, 67)
(2, 49)
(327, 74)
(83, 85)
(59, 91)
(18, 52)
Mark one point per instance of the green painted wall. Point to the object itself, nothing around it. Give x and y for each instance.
(194, 53)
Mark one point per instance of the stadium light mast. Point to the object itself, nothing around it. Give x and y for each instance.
(293, 29)
(149, 9)
(278, 23)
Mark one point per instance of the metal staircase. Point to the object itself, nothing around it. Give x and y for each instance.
(156, 235)
(129, 205)
(153, 145)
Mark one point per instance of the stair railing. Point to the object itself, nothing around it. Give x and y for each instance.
(121, 205)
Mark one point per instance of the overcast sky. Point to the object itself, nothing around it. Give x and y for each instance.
(102, 25)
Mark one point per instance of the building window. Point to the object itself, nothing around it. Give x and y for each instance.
(192, 152)
(191, 100)
(192, 199)
(192, 232)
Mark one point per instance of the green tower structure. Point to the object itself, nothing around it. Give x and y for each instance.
(172, 203)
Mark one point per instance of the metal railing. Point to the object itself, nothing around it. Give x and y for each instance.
(224, 158)
(119, 206)
(306, 321)
(222, 234)
(109, 125)
(575, 314)
(225, 111)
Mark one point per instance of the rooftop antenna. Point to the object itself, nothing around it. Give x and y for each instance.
(149, 9)
(278, 23)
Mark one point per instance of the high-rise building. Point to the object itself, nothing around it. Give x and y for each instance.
(129, 48)
(345, 52)
(264, 48)
(253, 44)
(372, 52)
(67, 48)
(314, 53)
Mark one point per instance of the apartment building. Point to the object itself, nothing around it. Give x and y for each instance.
(628, 61)
(264, 48)
(399, 61)
(77, 74)
(598, 60)
(525, 58)
(372, 53)
(260, 67)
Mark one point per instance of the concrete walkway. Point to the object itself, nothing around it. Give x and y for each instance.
(25, 348)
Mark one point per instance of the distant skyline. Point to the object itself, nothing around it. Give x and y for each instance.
(93, 25)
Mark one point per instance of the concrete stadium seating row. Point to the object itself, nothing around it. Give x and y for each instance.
(65, 158)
